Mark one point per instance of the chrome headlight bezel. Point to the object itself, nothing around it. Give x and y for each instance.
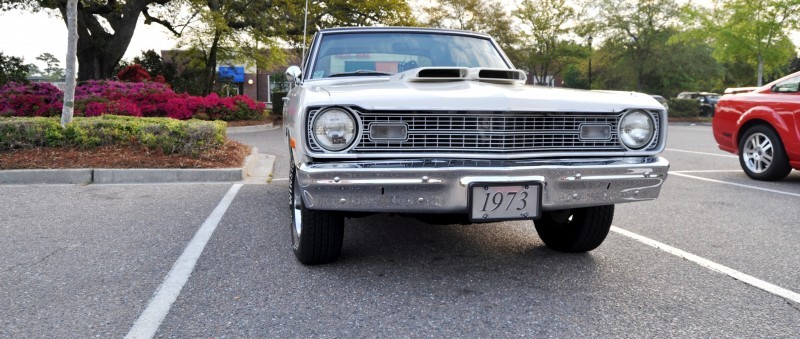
(628, 129)
(351, 129)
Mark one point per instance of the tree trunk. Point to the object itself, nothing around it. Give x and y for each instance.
(72, 44)
(99, 50)
(211, 65)
(760, 69)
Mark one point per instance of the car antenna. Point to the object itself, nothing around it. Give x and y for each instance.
(305, 25)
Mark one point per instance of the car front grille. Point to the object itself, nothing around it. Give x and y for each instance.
(488, 132)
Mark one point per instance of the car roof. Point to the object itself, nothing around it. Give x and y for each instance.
(401, 30)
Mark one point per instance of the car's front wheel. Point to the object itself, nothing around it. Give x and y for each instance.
(575, 230)
(762, 156)
(317, 236)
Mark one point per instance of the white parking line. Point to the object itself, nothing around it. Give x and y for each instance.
(705, 171)
(735, 184)
(281, 179)
(158, 307)
(747, 279)
(703, 153)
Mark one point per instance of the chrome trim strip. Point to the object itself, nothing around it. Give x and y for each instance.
(465, 181)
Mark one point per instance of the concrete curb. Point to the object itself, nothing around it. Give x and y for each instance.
(257, 169)
(46, 176)
(248, 129)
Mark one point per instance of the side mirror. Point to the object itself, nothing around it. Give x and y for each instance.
(293, 74)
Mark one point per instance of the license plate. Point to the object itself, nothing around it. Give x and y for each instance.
(505, 201)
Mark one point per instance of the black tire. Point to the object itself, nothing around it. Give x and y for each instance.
(575, 230)
(761, 154)
(317, 236)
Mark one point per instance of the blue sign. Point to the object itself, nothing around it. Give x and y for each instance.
(234, 74)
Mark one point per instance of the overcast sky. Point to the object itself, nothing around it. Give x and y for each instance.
(28, 35)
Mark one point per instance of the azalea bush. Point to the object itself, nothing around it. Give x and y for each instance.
(34, 100)
(138, 99)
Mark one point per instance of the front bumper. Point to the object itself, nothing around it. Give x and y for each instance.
(441, 185)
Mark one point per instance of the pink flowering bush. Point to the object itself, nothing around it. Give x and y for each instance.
(116, 107)
(139, 99)
(134, 73)
(33, 100)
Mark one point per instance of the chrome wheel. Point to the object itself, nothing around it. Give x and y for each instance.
(297, 216)
(761, 154)
(758, 152)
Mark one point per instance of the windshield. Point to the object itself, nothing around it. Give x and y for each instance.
(385, 53)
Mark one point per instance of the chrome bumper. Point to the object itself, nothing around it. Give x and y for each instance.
(440, 186)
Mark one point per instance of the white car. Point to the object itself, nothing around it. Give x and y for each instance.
(438, 123)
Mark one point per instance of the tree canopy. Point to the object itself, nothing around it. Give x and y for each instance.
(753, 32)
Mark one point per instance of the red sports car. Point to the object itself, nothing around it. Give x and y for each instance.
(762, 126)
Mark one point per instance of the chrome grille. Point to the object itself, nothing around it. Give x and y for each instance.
(488, 132)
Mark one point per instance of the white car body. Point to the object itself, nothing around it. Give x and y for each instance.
(419, 141)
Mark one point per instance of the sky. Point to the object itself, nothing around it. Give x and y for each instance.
(28, 35)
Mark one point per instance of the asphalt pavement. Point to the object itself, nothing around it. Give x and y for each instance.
(90, 260)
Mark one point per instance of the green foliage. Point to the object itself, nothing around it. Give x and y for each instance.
(12, 69)
(633, 27)
(545, 51)
(573, 78)
(277, 102)
(488, 17)
(753, 32)
(53, 68)
(192, 137)
(684, 108)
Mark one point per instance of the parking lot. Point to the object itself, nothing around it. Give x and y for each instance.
(716, 255)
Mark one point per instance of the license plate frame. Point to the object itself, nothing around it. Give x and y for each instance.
(518, 208)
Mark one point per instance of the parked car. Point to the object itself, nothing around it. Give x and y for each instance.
(661, 100)
(708, 101)
(437, 124)
(763, 127)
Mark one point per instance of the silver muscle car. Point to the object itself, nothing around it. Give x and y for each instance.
(438, 123)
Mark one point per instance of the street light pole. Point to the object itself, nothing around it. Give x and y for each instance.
(590, 61)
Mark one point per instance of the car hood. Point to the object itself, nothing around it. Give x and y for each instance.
(392, 93)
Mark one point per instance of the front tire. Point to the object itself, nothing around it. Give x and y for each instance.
(575, 230)
(762, 156)
(317, 236)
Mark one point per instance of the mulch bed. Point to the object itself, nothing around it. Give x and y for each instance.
(232, 154)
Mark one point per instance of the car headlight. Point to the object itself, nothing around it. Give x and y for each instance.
(636, 129)
(334, 129)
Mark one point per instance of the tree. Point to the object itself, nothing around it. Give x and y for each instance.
(71, 15)
(633, 26)
(545, 50)
(13, 69)
(53, 68)
(754, 32)
(229, 32)
(105, 28)
(488, 17)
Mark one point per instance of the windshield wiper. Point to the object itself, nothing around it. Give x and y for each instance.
(359, 72)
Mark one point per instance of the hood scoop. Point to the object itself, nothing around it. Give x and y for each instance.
(445, 74)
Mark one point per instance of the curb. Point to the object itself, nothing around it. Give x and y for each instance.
(248, 129)
(257, 169)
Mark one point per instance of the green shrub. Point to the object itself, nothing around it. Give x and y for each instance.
(191, 137)
(30, 132)
(684, 108)
(277, 103)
